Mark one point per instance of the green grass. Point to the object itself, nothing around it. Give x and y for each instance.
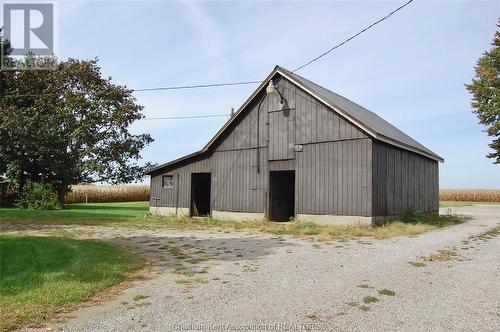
(40, 276)
(91, 214)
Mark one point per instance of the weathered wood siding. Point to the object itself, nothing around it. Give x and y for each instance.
(182, 184)
(314, 122)
(335, 178)
(403, 180)
(281, 129)
(236, 185)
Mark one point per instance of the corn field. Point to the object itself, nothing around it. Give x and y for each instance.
(476, 195)
(104, 194)
(135, 193)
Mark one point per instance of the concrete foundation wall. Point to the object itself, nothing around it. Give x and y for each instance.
(168, 211)
(237, 216)
(323, 219)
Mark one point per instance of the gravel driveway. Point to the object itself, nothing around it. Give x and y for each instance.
(237, 281)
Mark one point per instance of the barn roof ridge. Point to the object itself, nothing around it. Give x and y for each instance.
(370, 122)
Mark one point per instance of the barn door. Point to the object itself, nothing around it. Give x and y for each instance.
(200, 194)
(281, 134)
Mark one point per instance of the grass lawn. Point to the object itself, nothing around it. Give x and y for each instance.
(40, 276)
(82, 214)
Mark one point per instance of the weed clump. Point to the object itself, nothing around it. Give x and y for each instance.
(417, 264)
(387, 292)
(370, 299)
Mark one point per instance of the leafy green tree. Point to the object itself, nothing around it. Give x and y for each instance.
(485, 90)
(5, 50)
(38, 196)
(69, 125)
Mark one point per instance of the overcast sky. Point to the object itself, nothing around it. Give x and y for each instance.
(410, 70)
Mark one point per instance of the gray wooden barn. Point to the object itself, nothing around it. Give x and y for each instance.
(297, 150)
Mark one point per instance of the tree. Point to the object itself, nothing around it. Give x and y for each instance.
(69, 125)
(485, 90)
(5, 50)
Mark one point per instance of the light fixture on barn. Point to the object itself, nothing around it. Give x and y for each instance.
(270, 90)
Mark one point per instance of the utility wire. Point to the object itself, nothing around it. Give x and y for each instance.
(189, 117)
(353, 36)
(210, 85)
(181, 87)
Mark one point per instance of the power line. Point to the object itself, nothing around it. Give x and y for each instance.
(189, 117)
(210, 85)
(353, 36)
(178, 87)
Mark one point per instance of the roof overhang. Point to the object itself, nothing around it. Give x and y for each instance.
(403, 146)
(173, 162)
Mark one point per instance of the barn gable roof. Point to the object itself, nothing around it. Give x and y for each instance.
(372, 123)
(368, 121)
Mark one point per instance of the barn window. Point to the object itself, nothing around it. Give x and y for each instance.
(167, 181)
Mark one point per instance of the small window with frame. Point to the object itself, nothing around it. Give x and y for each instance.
(167, 181)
